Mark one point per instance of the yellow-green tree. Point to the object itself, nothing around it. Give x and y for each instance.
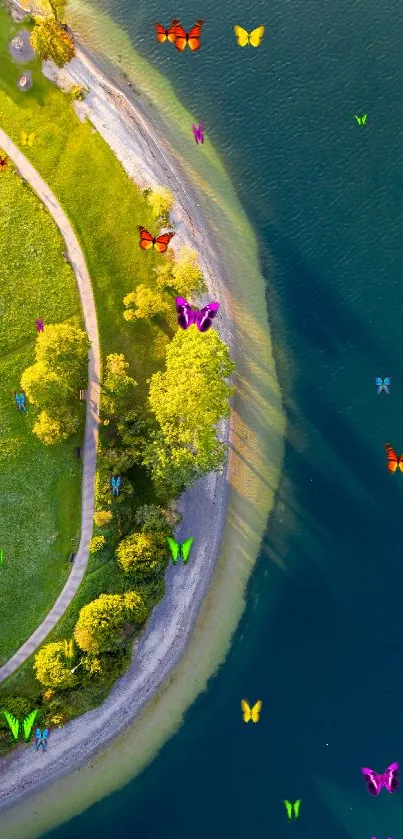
(53, 667)
(51, 429)
(145, 303)
(50, 40)
(53, 8)
(141, 554)
(161, 200)
(188, 400)
(118, 387)
(182, 274)
(53, 382)
(100, 626)
(102, 518)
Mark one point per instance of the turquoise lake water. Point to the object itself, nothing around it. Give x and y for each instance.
(321, 641)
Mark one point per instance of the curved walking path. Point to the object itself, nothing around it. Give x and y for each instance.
(77, 260)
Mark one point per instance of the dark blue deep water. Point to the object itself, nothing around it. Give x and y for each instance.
(324, 196)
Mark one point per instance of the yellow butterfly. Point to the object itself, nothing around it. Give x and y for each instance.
(251, 713)
(27, 139)
(253, 38)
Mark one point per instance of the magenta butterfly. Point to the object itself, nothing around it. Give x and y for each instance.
(203, 319)
(389, 779)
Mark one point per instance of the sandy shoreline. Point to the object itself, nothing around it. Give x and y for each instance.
(227, 510)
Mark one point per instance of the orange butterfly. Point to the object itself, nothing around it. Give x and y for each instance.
(166, 34)
(160, 243)
(393, 461)
(3, 163)
(192, 38)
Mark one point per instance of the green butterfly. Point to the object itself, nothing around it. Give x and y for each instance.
(27, 723)
(361, 120)
(178, 549)
(292, 808)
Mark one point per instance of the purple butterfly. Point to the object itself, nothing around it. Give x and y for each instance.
(198, 133)
(39, 325)
(389, 779)
(203, 319)
(374, 837)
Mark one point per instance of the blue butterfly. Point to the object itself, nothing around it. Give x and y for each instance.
(115, 484)
(41, 738)
(383, 386)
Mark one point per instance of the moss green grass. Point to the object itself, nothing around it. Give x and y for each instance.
(40, 486)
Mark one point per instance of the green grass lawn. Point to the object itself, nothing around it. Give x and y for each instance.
(40, 485)
(105, 208)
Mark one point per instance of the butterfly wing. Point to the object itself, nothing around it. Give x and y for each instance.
(24, 138)
(390, 777)
(256, 710)
(180, 38)
(256, 36)
(392, 459)
(186, 315)
(174, 548)
(31, 139)
(28, 723)
(364, 119)
(186, 547)
(241, 36)
(146, 240)
(297, 805)
(13, 724)
(386, 381)
(288, 807)
(172, 30)
(204, 318)
(161, 33)
(161, 242)
(201, 135)
(195, 132)
(373, 781)
(247, 715)
(193, 37)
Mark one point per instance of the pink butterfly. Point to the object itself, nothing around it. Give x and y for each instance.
(203, 318)
(374, 837)
(389, 779)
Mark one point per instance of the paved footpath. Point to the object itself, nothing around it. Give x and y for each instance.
(77, 260)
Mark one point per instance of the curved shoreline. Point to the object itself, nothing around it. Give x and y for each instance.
(248, 485)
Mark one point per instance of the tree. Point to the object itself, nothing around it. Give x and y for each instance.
(182, 274)
(152, 519)
(52, 666)
(162, 201)
(51, 41)
(188, 400)
(101, 623)
(44, 387)
(51, 429)
(102, 518)
(141, 554)
(118, 387)
(55, 7)
(96, 544)
(63, 349)
(147, 302)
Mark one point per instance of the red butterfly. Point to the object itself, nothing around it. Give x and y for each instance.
(192, 38)
(393, 461)
(166, 34)
(3, 163)
(160, 243)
